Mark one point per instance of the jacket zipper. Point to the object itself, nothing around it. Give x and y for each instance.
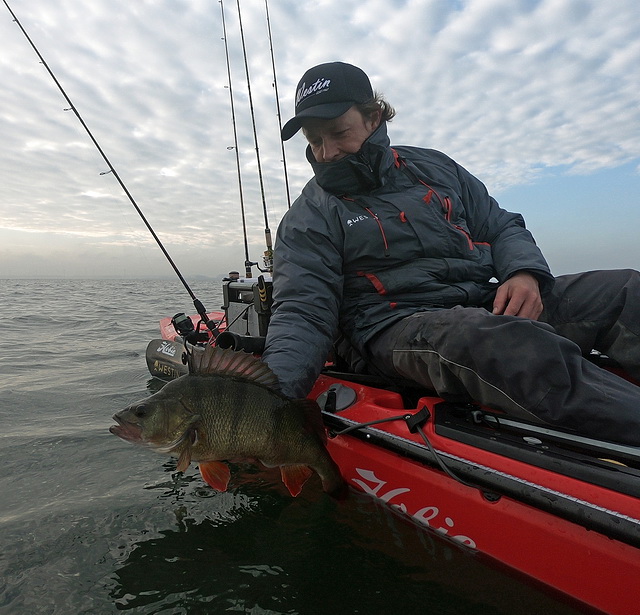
(469, 241)
(384, 237)
(447, 208)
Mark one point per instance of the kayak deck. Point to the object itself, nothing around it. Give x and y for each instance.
(573, 511)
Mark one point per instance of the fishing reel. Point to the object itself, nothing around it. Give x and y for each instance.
(267, 263)
(267, 259)
(184, 328)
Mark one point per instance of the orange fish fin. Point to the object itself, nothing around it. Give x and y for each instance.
(294, 477)
(216, 474)
(185, 459)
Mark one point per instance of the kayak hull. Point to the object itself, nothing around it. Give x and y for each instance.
(581, 562)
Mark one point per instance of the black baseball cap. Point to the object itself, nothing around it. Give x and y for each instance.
(327, 91)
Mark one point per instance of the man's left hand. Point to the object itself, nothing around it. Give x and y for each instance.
(519, 296)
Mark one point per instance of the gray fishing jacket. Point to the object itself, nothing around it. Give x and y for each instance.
(380, 235)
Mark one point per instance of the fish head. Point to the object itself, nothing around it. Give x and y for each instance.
(162, 421)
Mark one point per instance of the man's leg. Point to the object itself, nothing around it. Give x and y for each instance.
(599, 310)
(517, 365)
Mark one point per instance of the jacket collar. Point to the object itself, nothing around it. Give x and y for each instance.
(358, 173)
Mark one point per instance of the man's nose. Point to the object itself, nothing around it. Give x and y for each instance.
(330, 150)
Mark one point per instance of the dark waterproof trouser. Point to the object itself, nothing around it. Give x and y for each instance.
(532, 369)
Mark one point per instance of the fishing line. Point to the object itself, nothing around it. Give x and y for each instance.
(275, 87)
(247, 262)
(268, 255)
(196, 302)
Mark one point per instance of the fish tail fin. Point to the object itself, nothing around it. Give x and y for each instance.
(313, 418)
(332, 481)
(294, 477)
(327, 469)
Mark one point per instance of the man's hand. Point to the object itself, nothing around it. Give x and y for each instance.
(519, 296)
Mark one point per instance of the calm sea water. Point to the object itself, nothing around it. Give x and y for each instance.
(90, 524)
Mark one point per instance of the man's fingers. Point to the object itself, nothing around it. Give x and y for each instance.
(519, 296)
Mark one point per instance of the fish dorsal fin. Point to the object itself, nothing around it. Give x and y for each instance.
(227, 362)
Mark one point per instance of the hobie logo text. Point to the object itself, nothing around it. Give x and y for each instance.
(167, 348)
(320, 85)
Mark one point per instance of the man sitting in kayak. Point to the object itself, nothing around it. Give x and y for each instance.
(406, 255)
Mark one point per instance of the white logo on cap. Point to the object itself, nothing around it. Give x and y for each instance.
(318, 87)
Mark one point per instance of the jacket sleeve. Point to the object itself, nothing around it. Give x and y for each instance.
(513, 247)
(307, 292)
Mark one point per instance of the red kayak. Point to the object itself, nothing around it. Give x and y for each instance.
(560, 508)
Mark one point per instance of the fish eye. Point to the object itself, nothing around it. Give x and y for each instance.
(140, 410)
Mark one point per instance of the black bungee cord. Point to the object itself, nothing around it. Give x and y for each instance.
(415, 424)
(211, 325)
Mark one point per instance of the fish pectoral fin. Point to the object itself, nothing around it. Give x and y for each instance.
(294, 477)
(184, 460)
(216, 474)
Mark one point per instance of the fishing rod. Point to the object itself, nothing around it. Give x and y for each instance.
(275, 87)
(196, 302)
(247, 262)
(268, 255)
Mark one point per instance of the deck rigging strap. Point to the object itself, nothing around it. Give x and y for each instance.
(346, 430)
(211, 325)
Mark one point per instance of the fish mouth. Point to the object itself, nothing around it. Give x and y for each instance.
(126, 430)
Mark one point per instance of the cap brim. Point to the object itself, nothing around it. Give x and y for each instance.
(326, 112)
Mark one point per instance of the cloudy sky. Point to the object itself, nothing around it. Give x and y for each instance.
(539, 99)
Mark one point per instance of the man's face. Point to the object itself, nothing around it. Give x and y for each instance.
(333, 139)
